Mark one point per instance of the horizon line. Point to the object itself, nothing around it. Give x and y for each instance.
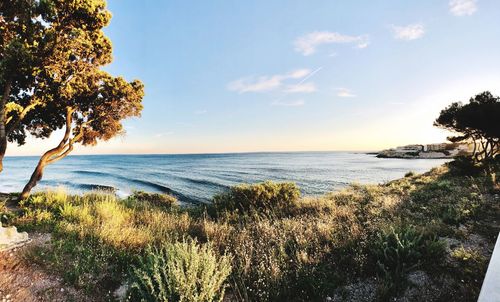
(210, 153)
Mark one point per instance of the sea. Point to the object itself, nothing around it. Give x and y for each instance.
(195, 178)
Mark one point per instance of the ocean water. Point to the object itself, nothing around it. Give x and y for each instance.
(197, 177)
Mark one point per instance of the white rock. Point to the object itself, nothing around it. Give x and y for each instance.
(11, 238)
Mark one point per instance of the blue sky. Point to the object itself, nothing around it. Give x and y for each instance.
(234, 76)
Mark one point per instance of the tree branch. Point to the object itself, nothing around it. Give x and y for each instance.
(11, 126)
(69, 145)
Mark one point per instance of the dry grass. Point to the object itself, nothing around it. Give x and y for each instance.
(285, 247)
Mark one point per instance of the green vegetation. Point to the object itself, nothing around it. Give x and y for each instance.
(160, 200)
(51, 58)
(267, 198)
(282, 246)
(400, 251)
(475, 122)
(410, 174)
(182, 271)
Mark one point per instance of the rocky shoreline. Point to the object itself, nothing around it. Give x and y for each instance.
(429, 151)
(412, 155)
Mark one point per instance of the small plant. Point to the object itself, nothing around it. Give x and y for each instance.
(471, 261)
(463, 209)
(182, 271)
(268, 198)
(157, 199)
(401, 250)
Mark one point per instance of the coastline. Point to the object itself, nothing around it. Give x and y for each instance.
(196, 178)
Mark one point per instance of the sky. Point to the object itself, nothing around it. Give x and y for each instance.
(294, 75)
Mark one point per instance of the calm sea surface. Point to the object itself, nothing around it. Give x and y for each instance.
(198, 177)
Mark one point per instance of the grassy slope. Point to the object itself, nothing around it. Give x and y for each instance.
(426, 235)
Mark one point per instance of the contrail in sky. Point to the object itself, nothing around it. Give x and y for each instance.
(310, 75)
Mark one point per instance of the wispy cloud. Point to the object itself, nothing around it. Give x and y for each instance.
(295, 103)
(267, 82)
(409, 32)
(301, 88)
(308, 43)
(463, 7)
(345, 93)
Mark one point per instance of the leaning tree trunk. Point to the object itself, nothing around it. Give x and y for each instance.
(35, 178)
(3, 122)
(53, 155)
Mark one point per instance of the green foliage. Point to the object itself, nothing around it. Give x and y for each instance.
(464, 166)
(85, 263)
(476, 122)
(51, 77)
(401, 250)
(183, 271)
(162, 200)
(410, 174)
(472, 262)
(464, 208)
(267, 198)
(49, 200)
(302, 251)
(51, 54)
(436, 189)
(41, 210)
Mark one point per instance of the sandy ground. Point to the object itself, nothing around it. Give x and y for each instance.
(24, 282)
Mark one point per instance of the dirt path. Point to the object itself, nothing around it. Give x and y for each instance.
(24, 282)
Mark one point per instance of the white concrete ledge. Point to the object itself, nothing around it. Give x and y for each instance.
(490, 291)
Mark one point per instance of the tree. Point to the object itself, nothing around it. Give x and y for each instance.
(22, 57)
(74, 94)
(93, 111)
(476, 122)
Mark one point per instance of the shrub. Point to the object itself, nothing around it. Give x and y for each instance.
(48, 200)
(87, 263)
(268, 198)
(458, 212)
(182, 271)
(401, 250)
(471, 261)
(464, 165)
(157, 199)
(470, 267)
(410, 174)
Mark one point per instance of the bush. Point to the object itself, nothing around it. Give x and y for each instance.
(183, 271)
(458, 212)
(50, 200)
(156, 199)
(410, 174)
(401, 250)
(471, 261)
(268, 198)
(464, 165)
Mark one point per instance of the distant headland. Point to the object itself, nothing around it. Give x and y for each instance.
(441, 150)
